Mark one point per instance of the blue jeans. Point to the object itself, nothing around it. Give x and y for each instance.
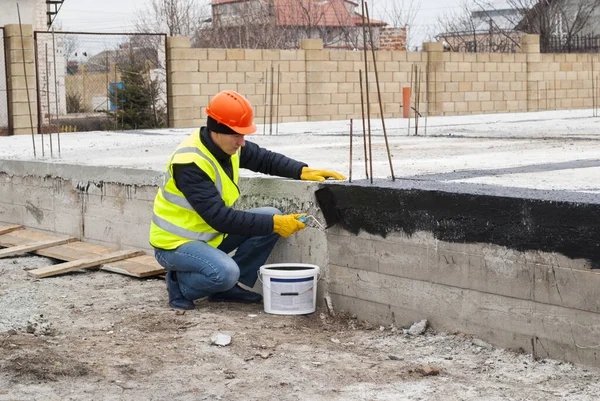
(203, 270)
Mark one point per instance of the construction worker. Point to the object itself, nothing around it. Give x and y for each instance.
(195, 226)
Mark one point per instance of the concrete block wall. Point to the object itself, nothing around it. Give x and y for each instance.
(314, 84)
(317, 84)
(20, 58)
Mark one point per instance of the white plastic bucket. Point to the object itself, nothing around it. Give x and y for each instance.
(289, 288)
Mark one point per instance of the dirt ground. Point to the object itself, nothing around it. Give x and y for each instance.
(101, 336)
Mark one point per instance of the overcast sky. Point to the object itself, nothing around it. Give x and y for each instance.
(120, 15)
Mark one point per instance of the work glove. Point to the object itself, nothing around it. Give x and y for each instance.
(286, 225)
(309, 174)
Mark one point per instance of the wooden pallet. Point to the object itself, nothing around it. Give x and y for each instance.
(79, 255)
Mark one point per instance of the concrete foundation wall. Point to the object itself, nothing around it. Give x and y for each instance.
(114, 207)
(461, 277)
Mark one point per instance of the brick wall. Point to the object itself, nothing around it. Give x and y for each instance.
(392, 39)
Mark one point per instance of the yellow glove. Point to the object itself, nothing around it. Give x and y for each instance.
(309, 174)
(286, 225)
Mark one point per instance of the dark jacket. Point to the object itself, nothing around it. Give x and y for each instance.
(202, 194)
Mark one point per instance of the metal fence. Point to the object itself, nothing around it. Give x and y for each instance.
(4, 120)
(576, 44)
(92, 81)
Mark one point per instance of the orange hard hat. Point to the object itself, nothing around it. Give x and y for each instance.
(233, 110)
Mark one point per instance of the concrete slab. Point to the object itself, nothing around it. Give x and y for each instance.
(543, 150)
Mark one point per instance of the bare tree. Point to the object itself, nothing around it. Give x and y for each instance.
(173, 17)
(553, 20)
(258, 24)
(475, 29)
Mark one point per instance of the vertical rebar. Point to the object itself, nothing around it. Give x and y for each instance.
(277, 99)
(48, 100)
(412, 69)
(593, 89)
(271, 105)
(367, 89)
(555, 90)
(387, 145)
(362, 106)
(116, 99)
(537, 100)
(427, 72)
(107, 82)
(265, 111)
(26, 82)
(350, 168)
(38, 97)
(417, 98)
(55, 86)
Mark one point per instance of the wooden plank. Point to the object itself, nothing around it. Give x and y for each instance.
(22, 237)
(83, 263)
(75, 251)
(140, 266)
(9, 228)
(34, 246)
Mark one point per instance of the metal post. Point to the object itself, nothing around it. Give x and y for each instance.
(48, 101)
(26, 82)
(55, 86)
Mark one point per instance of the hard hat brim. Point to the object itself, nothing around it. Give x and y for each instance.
(251, 129)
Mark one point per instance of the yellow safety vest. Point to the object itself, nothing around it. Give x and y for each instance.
(175, 222)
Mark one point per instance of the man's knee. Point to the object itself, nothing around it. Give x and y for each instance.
(228, 276)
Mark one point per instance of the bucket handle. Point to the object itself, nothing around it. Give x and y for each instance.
(288, 293)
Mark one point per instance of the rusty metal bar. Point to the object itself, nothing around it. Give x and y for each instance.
(362, 106)
(387, 145)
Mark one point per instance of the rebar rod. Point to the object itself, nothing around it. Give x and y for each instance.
(277, 99)
(350, 168)
(367, 90)
(271, 105)
(48, 101)
(593, 89)
(26, 82)
(417, 97)
(412, 70)
(387, 145)
(55, 87)
(427, 88)
(362, 106)
(265, 111)
(38, 97)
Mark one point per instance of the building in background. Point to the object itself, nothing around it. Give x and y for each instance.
(283, 23)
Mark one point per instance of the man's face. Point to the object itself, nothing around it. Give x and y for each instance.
(228, 143)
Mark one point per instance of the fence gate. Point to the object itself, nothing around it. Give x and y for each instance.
(5, 128)
(100, 81)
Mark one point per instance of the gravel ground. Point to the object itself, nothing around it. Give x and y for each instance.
(102, 336)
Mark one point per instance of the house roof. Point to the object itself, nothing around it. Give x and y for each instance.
(314, 12)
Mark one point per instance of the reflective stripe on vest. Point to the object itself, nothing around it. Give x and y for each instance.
(182, 232)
